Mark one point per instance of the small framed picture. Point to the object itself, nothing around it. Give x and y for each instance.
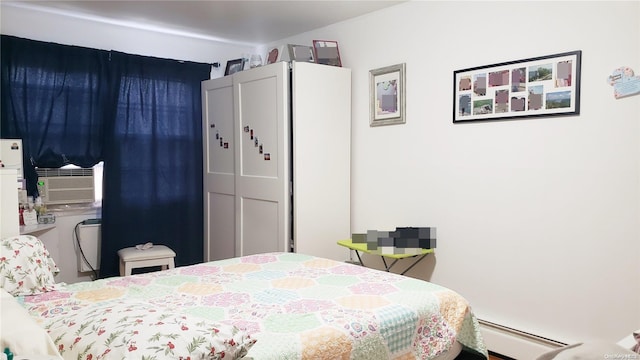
(275, 54)
(387, 95)
(233, 66)
(327, 52)
(301, 53)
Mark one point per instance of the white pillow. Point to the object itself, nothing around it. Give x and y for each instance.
(19, 331)
(26, 268)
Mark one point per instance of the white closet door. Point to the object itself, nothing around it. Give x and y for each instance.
(321, 159)
(219, 164)
(262, 144)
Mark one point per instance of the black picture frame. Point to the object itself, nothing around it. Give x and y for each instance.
(233, 66)
(536, 87)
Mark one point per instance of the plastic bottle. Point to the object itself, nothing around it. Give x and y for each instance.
(8, 353)
(38, 206)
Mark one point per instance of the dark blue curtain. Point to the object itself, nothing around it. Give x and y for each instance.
(140, 115)
(153, 159)
(54, 98)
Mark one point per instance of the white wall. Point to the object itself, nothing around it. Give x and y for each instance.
(538, 219)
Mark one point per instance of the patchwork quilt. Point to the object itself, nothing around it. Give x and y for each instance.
(267, 306)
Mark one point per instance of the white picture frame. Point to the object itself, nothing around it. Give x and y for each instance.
(274, 54)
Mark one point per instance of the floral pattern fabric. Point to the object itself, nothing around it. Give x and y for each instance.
(26, 268)
(293, 306)
(127, 329)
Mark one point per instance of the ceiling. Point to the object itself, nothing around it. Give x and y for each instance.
(240, 21)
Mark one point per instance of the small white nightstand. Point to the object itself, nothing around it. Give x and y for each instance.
(157, 255)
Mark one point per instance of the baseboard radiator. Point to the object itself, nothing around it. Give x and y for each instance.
(515, 343)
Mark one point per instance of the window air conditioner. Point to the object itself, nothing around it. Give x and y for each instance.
(66, 186)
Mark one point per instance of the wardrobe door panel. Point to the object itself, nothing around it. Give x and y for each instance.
(260, 226)
(222, 224)
(262, 162)
(219, 169)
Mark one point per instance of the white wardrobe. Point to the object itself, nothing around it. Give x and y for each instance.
(277, 161)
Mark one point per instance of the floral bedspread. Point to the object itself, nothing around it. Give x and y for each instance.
(292, 306)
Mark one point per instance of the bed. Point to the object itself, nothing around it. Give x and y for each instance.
(266, 306)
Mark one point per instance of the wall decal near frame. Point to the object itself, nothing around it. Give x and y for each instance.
(541, 86)
(625, 82)
(387, 95)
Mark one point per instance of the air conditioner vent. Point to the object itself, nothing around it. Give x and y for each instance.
(47, 172)
(66, 186)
